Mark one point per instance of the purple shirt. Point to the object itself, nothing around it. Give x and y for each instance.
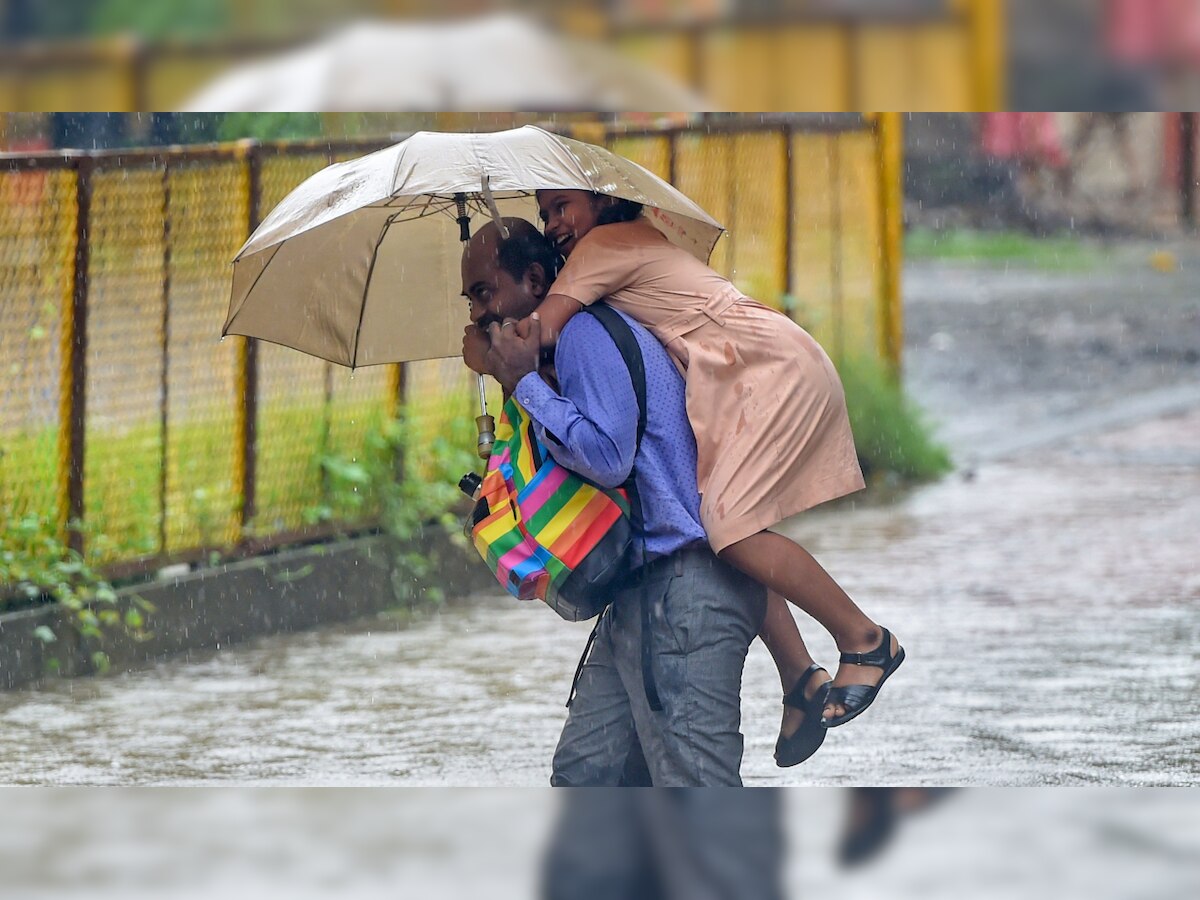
(591, 427)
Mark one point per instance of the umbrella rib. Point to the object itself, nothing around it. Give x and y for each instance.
(424, 209)
(362, 306)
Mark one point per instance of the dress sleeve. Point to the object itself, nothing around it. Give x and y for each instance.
(598, 267)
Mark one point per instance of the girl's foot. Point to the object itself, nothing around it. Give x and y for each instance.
(869, 824)
(801, 732)
(873, 815)
(861, 674)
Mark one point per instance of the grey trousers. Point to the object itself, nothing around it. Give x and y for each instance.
(704, 614)
(691, 844)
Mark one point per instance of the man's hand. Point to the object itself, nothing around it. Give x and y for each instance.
(516, 347)
(476, 345)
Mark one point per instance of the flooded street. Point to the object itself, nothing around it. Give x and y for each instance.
(1047, 593)
(991, 844)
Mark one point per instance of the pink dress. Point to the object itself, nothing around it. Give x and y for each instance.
(764, 400)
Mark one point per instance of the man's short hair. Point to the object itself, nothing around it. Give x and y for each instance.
(523, 248)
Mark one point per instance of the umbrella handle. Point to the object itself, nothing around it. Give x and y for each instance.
(485, 423)
(485, 187)
(463, 220)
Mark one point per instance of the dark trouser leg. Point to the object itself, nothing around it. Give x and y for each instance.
(704, 615)
(599, 850)
(598, 736)
(677, 845)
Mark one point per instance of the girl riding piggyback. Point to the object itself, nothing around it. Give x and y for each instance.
(772, 435)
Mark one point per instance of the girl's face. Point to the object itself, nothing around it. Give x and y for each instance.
(567, 216)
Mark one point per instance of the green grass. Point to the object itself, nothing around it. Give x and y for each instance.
(1063, 253)
(124, 466)
(890, 433)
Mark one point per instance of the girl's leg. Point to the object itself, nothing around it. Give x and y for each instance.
(782, 638)
(788, 569)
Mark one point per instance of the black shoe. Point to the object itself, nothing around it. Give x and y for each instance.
(873, 809)
(855, 698)
(807, 739)
(875, 814)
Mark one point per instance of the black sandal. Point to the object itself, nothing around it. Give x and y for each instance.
(869, 836)
(807, 739)
(855, 698)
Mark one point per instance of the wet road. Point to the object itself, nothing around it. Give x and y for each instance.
(1097, 843)
(1049, 601)
(1049, 610)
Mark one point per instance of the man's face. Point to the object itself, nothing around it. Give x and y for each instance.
(493, 293)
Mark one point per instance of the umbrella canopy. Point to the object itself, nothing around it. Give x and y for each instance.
(499, 62)
(359, 265)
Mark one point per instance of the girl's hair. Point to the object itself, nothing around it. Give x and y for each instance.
(618, 210)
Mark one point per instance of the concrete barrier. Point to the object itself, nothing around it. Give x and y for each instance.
(214, 607)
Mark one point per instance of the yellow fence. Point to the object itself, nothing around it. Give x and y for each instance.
(121, 75)
(951, 58)
(120, 408)
(948, 60)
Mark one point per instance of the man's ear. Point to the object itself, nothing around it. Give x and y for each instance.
(536, 276)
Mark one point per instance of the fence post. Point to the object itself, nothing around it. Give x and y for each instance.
(837, 292)
(695, 59)
(1187, 168)
(889, 155)
(247, 365)
(398, 394)
(672, 152)
(852, 61)
(986, 24)
(789, 213)
(73, 391)
(165, 375)
(135, 56)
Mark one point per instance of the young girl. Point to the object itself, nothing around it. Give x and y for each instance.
(772, 438)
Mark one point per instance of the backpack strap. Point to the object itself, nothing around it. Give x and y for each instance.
(618, 329)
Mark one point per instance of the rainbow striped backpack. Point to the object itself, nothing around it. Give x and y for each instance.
(547, 533)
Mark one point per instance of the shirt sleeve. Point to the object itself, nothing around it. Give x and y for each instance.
(598, 267)
(591, 426)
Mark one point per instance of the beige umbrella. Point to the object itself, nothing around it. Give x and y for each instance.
(495, 62)
(359, 265)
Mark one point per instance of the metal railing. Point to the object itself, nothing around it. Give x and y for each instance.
(120, 409)
(949, 57)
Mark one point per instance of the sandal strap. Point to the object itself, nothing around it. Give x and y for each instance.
(880, 657)
(795, 697)
(850, 696)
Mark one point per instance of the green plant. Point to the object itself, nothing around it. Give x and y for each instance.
(1060, 252)
(35, 565)
(890, 433)
(410, 482)
(270, 126)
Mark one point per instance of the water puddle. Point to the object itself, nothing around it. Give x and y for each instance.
(1050, 613)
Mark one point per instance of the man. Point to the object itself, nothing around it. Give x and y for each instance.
(702, 613)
